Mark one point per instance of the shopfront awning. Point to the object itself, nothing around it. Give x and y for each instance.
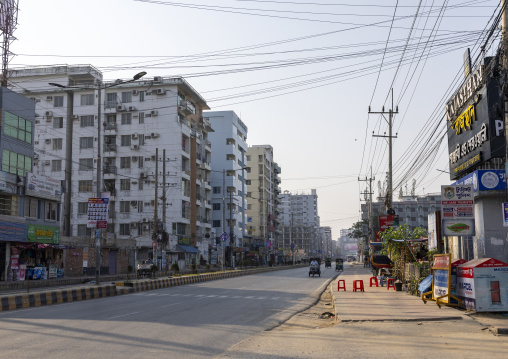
(188, 249)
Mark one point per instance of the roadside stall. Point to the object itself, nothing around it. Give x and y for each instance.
(482, 285)
(443, 281)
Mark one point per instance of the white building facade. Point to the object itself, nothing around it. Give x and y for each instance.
(228, 179)
(154, 153)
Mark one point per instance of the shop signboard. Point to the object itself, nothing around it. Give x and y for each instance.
(386, 222)
(505, 214)
(97, 212)
(184, 241)
(43, 234)
(43, 187)
(457, 210)
(475, 125)
(482, 285)
(484, 180)
(12, 232)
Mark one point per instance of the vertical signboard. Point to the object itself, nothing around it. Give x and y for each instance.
(457, 210)
(97, 212)
(505, 214)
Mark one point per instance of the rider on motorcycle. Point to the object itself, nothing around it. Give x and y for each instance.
(314, 263)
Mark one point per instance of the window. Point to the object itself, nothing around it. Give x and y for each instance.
(82, 207)
(125, 162)
(216, 190)
(216, 223)
(58, 101)
(85, 142)
(87, 100)
(249, 194)
(58, 122)
(125, 229)
(85, 186)
(83, 231)
(140, 206)
(56, 165)
(141, 96)
(16, 163)
(51, 211)
(141, 117)
(111, 100)
(31, 207)
(260, 158)
(85, 164)
(216, 206)
(140, 164)
(247, 169)
(57, 143)
(125, 206)
(86, 121)
(127, 97)
(125, 140)
(126, 118)
(141, 139)
(249, 207)
(248, 158)
(110, 118)
(18, 127)
(248, 182)
(125, 184)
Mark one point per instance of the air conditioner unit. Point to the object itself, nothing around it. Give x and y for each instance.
(135, 92)
(134, 159)
(48, 119)
(37, 121)
(146, 227)
(47, 163)
(75, 117)
(135, 114)
(120, 108)
(48, 114)
(161, 92)
(134, 203)
(145, 220)
(36, 156)
(142, 175)
(153, 158)
(49, 98)
(157, 79)
(154, 135)
(153, 112)
(134, 136)
(47, 141)
(132, 108)
(135, 147)
(148, 93)
(134, 225)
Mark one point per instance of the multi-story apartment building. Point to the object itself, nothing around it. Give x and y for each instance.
(262, 191)
(154, 151)
(413, 210)
(326, 241)
(228, 178)
(300, 221)
(29, 204)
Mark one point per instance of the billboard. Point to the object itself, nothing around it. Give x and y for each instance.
(386, 222)
(43, 187)
(475, 123)
(484, 180)
(457, 210)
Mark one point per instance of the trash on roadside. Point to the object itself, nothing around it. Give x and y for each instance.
(419, 323)
(327, 315)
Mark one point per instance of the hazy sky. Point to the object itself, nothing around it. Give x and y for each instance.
(300, 74)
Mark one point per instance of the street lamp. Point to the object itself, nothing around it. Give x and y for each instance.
(99, 87)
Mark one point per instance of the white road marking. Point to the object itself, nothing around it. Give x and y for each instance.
(123, 315)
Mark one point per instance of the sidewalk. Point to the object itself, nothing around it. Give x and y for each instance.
(381, 304)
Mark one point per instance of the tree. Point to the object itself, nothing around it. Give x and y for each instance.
(358, 229)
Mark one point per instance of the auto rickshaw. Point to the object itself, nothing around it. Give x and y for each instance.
(339, 264)
(328, 263)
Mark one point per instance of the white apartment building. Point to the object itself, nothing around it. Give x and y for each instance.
(228, 176)
(300, 222)
(154, 151)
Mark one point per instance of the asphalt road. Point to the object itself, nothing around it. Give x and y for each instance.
(192, 321)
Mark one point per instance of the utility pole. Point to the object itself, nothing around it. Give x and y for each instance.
(231, 243)
(368, 198)
(155, 208)
(390, 114)
(223, 214)
(98, 231)
(163, 232)
(504, 42)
